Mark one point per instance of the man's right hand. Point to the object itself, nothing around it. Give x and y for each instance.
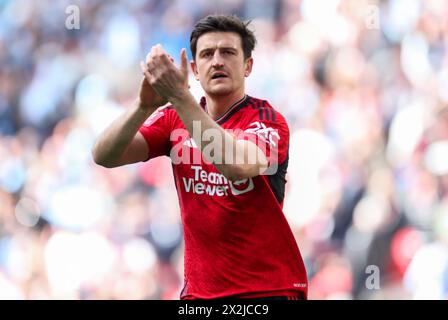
(149, 99)
(148, 96)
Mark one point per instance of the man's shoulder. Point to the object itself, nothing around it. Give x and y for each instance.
(168, 111)
(166, 108)
(263, 110)
(163, 112)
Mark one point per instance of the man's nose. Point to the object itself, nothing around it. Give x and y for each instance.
(217, 60)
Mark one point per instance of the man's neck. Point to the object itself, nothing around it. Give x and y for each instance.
(217, 106)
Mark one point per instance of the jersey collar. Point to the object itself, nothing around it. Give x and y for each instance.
(231, 111)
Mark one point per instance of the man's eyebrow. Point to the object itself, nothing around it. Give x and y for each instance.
(220, 48)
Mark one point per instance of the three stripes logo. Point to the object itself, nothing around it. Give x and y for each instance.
(154, 117)
(264, 111)
(190, 143)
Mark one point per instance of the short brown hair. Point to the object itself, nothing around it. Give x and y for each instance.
(224, 23)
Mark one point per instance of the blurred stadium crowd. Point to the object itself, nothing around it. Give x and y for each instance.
(367, 105)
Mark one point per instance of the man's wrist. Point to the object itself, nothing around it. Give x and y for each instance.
(144, 107)
(181, 99)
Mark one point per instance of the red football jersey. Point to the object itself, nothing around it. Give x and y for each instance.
(237, 240)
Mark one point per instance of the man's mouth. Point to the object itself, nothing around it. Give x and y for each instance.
(218, 75)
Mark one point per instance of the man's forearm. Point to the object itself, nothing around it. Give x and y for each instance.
(113, 142)
(239, 167)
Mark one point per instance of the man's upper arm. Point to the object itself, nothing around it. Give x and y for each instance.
(136, 152)
(150, 141)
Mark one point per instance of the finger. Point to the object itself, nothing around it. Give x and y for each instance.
(159, 56)
(142, 67)
(151, 66)
(159, 49)
(145, 66)
(151, 54)
(148, 77)
(145, 71)
(184, 62)
(162, 55)
(166, 60)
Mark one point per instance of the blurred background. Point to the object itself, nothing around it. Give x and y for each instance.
(362, 84)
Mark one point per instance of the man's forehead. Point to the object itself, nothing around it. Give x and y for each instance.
(213, 40)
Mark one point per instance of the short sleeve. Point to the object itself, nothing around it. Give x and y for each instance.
(270, 133)
(156, 130)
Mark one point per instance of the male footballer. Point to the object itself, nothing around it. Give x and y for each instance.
(229, 155)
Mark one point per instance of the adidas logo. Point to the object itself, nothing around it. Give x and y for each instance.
(190, 143)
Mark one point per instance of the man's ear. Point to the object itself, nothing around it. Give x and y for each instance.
(194, 69)
(248, 67)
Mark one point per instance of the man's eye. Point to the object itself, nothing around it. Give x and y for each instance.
(207, 54)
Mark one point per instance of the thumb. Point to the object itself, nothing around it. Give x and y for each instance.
(184, 62)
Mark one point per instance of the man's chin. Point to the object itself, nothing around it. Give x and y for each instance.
(219, 91)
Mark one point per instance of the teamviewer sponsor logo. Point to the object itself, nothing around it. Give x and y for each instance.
(215, 184)
(241, 186)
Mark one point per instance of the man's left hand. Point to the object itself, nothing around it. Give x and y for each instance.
(168, 81)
